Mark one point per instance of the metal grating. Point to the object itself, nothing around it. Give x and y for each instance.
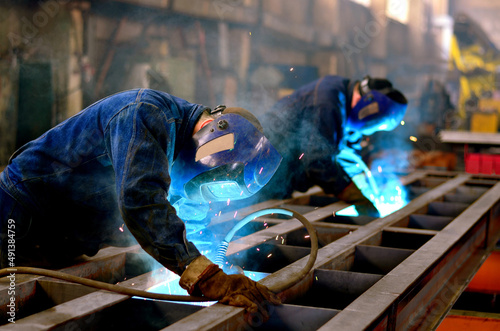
(403, 271)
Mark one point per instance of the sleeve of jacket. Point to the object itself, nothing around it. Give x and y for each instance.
(328, 174)
(320, 145)
(138, 140)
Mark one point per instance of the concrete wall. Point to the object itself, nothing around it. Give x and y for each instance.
(44, 32)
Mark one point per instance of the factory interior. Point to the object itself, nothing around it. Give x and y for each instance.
(429, 261)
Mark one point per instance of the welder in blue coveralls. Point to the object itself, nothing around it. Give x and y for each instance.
(105, 177)
(318, 130)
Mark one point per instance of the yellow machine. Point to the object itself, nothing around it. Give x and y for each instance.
(474, 60)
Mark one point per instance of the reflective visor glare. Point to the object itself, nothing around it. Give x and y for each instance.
(263, 173)
(224, 190)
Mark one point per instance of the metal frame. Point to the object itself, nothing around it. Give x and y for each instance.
(404, 271)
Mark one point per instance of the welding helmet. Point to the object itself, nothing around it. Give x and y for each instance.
(229, 158)
(381, 108)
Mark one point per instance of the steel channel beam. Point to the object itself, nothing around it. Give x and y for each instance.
(82, 310)
(298, 198)
(106, 265)
(391, 305)
(418, 292)
(326, 255)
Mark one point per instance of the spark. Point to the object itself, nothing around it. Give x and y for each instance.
(379, 169)
(250, 33)
(265, 223)
(306, 236)
(316, 277)
(261, 170)
(402, 122)
(235, 213)
(282, 240)
(220, 211)
(258, 249)
(301, 155)
(413, 138)
(277, 236)
(121, 227)
(291, 69)
(269, 255)
(228, 201)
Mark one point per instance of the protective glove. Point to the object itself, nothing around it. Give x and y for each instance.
(352, 194)
(206, 278)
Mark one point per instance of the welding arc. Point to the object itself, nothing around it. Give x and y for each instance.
(312, 235)
(171, 297)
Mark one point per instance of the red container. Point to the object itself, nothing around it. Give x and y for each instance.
(472, 163)
(488, 164)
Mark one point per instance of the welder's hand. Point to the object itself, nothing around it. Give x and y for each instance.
(352, 194)
(204, 277)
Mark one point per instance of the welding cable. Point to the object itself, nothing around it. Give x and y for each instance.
(172, 297)
(283, 285)
(99, 285)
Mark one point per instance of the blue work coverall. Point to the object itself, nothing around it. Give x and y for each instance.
(100, 178)
(307, 128)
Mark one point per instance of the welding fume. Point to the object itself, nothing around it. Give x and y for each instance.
(115, 173)
(104, 177)
(319, 130)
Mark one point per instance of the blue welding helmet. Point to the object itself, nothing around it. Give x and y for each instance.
(381, 108)
(229, 158)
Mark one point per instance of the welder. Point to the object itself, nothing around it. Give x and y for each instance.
(106, 176)
(318, 130)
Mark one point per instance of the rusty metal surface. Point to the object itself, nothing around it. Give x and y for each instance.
(402, 271)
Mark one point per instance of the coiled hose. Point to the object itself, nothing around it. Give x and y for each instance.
(172, 297)
(221, 254)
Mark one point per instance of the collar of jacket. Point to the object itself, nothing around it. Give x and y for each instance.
(185, 131)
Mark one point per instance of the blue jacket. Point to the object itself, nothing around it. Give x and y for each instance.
(106, 167)
(307, 128)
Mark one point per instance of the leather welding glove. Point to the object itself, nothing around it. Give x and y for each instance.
(206, 278)
(352, 194)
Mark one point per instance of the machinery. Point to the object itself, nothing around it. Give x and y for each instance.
(401, 271)
(473, 66)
